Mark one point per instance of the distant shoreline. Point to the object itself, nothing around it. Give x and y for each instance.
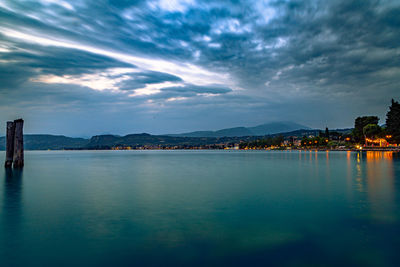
(220, 149)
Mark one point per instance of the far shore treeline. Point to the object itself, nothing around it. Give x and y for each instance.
(367, 133)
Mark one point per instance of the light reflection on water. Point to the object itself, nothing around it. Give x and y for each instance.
(380, 183)
(201, 208)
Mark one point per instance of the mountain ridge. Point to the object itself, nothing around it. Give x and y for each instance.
(48, 141)
(109, 141)
(258, 130)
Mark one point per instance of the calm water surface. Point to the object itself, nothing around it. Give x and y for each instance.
(206, 208)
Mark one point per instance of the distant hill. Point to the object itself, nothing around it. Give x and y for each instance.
(47, 141)
(277, 127)
(54, 142)
(260, 130)
(59, 142)
(314, 132)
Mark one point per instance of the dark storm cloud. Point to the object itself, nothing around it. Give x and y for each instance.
(284, 60)
(69, 62)
(188, 91)
(198, 89)
(23, 62)
(140, 80)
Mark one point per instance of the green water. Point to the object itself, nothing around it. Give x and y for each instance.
(201, 208)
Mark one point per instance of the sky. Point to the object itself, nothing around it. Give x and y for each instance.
(88, 67)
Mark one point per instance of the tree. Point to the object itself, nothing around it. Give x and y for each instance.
(371, 130)
(359, 125)
(393, 122)
(327, 132)
(304, 141)
(278, 140)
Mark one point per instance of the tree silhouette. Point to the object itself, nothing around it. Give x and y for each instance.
(359, 125)
(393, 122)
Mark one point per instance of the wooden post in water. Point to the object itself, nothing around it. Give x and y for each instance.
(10, 144)
(19, 144)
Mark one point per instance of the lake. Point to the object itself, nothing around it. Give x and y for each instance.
(201, 208)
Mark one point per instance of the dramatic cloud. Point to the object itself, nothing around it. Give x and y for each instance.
(89, 67)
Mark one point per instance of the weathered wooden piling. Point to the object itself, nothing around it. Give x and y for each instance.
(10, 144)
(18, 160)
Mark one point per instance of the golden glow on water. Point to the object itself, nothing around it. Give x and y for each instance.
(380, 182)
(379, 155)
(370, 177)
(328, 171)
(349, 177)
(360, 186)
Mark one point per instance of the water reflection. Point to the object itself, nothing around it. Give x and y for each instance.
(328, 171)
(12, 203)
(375, 180)
(380, 182)
(12, 187)
(359, 175)
(349, 175)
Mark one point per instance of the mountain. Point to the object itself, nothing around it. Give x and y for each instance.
(54, 142)
(315, 132)
(259, 130)
(59, 142)
(230, 132)
(277, 127)
(47, 141)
